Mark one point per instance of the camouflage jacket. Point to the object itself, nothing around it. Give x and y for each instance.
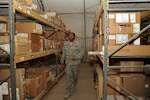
(72, 50)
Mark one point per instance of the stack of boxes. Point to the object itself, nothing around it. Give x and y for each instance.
(123, 26)
(6, 86)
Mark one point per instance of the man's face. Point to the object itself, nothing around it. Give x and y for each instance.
(71, 37)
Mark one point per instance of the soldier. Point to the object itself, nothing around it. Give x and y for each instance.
(72, 55)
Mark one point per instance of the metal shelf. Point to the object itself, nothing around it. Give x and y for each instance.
(22, 58)
(121, 51)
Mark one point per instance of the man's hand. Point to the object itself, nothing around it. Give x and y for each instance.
(73, 59)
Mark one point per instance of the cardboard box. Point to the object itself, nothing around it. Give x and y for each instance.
(134, 83)
(5, 39)
(147, 86)
(113, 89)
(30, 27)
(46, 76)
(20, 83)
(33, 85)
(125, 22)
(131, 63)
(34, 38)
(34, 47)
(21, 48)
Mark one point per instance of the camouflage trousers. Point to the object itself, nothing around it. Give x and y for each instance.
(72, 73)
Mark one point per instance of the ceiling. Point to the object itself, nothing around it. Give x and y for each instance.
(70, 6)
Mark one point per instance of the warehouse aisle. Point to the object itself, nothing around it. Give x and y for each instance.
(85, 89)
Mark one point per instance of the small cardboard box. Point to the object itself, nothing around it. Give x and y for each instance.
(134, 83)
(28, 27)
(33, 85)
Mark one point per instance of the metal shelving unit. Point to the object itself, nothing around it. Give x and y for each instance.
(118, 6)
(15, 7)
(122, 6)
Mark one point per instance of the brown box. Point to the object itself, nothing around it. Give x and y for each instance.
(34, 47)
(147, 86)
(21, 48)
(113, 89)
(20, 82)
(29, 27)
(134, 83)
(125, 22)
(5, 39)
(46, 77)
(34, 38)
(131, 63)
(33, 85)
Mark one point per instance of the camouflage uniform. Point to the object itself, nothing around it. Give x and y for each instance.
(72, 49)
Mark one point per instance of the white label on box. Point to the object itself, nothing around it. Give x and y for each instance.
(4, 88)
(146, 86)
(122, 18)
(119, 97)
(17, 94)
(121, 38)
(137, 42)
(136, 28)
(111, 16)
(112, 37)
(21, 58)
(132, 17)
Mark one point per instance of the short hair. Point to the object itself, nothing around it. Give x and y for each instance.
(73, 33)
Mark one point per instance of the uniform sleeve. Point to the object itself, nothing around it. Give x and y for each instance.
(63, 55)
(81, 52)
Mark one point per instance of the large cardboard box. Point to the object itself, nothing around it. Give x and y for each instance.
(34, 47)
(28, 27)
(21, 48)
(46, 75)
(20, 83)
(131, 63)
(113, 89)
(134, 83)
(126, 22)
(6, 39)
(33, 85)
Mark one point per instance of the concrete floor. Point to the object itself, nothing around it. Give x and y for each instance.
(85, 88)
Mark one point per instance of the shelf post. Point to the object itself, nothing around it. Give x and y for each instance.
(12, 69)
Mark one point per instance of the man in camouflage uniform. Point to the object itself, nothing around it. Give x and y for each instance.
(72, 55)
